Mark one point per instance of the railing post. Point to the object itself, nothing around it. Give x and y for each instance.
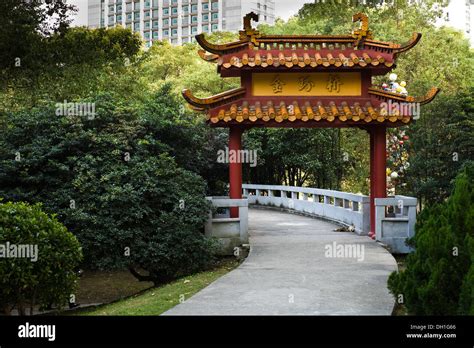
(243, 215)
(208, 224)
(365, 211)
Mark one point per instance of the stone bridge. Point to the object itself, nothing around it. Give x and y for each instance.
(309, 253)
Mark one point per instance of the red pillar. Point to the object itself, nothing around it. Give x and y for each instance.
(235, 168)
(378, 165)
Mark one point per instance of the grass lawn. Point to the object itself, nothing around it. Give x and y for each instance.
(158, 300)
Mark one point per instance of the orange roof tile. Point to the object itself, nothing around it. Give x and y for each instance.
(310, 58)
(314, 111)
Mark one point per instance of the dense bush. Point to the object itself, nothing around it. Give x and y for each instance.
(439, 276)
(440, 143)
(112, 183)
(44, 278)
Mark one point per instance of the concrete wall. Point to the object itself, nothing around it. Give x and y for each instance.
(231, 233)
(395, 219)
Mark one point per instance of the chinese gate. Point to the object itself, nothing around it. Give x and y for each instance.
(307, 81)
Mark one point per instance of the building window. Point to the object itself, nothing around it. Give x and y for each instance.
(155, 24)
(166, 32)
(155, 13)
(194, 19)
(205, 28)
(137, 6)
(111, 8)
(129, 17)
(146, 34)
(215, 16)
(166, 11)
(129, 7)
(174, 10)
(147, 14)
(119, 8)
(119, 18)
(194, 8)
(174, 21)
(205, 6)
(205, 17)
(215, 6)
(111, 19)
(215, 27)
(174, 2)
(147, 4)
(194, 30)
(137, 15)
(186, 9)
(136, 26)
(166, 22)
(155, 35)
(147, 25)
(174, 32)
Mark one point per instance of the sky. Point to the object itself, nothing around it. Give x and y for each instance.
(283, 8)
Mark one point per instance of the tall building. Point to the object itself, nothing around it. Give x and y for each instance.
(177, 20)
(459, 14)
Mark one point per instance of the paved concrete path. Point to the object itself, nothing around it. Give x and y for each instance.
(287, 273)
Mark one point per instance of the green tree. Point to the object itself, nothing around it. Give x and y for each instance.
(442, 140)
(111, 180)
(438, 277)
(42, 59)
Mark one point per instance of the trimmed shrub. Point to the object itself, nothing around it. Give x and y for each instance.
(43, 272)
(439, 278)
(114, 183)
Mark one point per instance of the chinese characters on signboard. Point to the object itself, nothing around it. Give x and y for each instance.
(310, 84)
(305, 83)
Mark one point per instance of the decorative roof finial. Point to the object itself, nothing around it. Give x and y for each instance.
(248, 20)
(249, 33)
(363, 32)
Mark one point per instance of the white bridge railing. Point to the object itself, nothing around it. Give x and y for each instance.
(347, 208)
(395, 217)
